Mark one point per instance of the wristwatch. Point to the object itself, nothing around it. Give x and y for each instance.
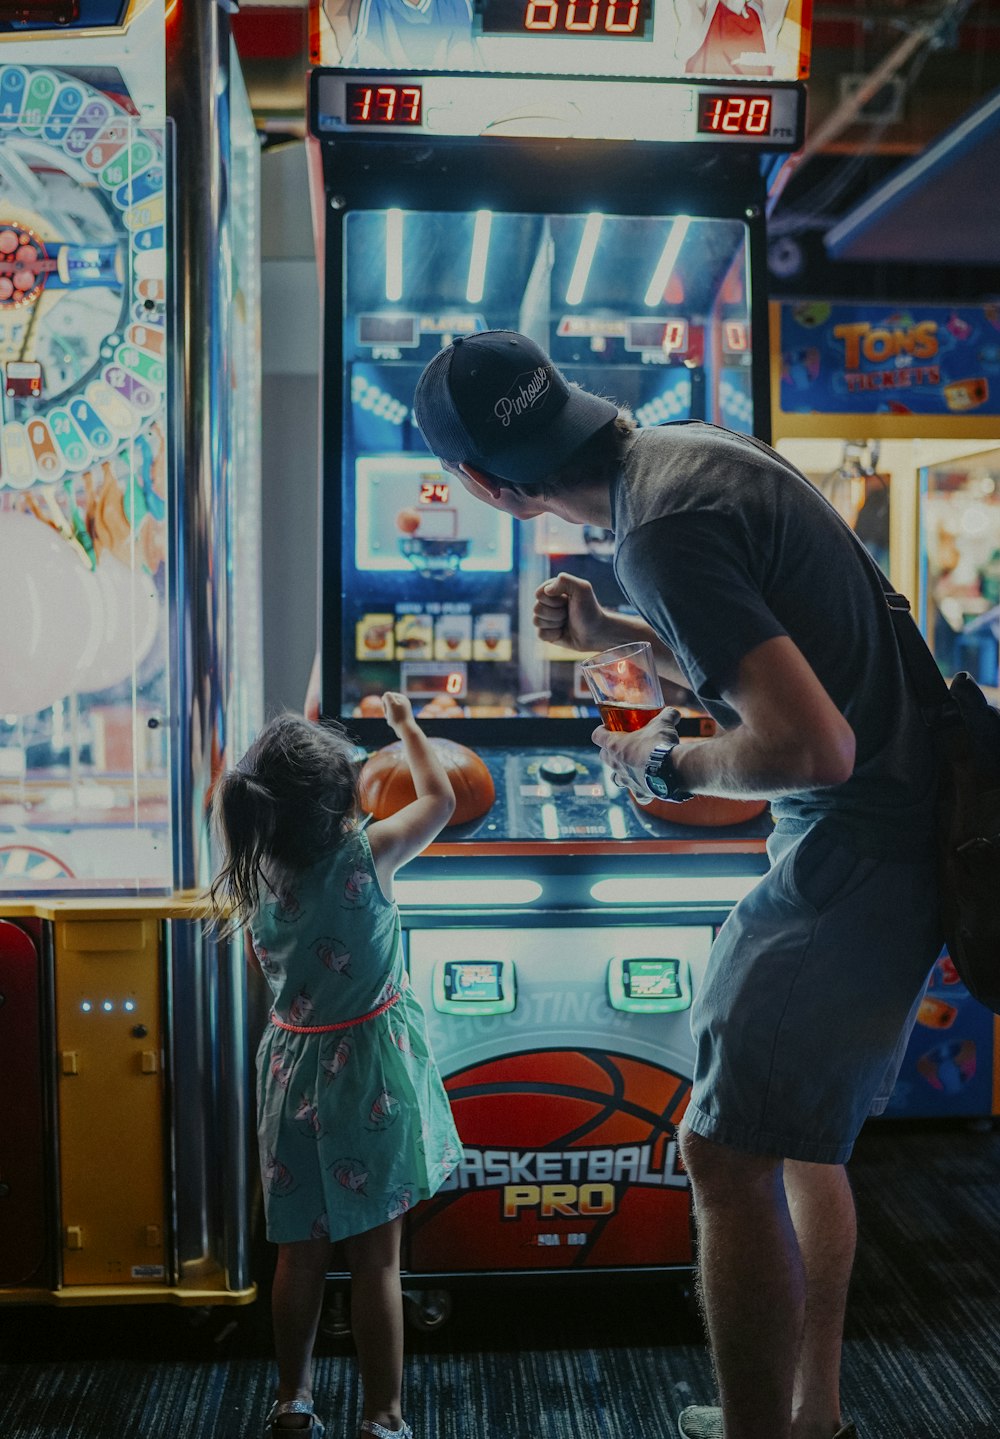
(661, 777)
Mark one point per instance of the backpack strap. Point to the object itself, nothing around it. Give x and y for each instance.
(937, 707)
(929, 685)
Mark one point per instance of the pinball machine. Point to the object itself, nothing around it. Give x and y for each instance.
(128, 670)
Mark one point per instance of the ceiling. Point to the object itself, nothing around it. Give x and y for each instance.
(938, 207)
(929, 63)
(910, 170)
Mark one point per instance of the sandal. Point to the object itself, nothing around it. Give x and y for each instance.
(370, 1426)
(273, 1430)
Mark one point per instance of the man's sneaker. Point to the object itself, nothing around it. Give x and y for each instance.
(700, 1421)
(703, 1421)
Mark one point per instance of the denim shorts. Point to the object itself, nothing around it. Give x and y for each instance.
(810, 995)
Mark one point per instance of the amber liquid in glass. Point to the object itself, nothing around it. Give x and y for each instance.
(626, 717)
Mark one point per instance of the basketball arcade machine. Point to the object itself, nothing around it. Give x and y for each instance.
(129, 355)
(534, 177)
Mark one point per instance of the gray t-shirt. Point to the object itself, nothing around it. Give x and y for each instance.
(721, 544)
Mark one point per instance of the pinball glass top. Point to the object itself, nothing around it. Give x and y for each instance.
(755, 39)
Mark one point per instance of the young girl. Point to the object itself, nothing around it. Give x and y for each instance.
(353, 1121)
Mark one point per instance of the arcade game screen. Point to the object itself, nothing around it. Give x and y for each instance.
(438, 589)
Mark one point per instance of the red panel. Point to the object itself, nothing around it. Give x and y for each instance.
(22, 1124)
(570, 1162)
(266, 34)
(976, 33)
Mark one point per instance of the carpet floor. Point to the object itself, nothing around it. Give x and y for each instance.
(592, 1361)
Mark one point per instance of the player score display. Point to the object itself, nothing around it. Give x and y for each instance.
(609, 19)
(719, 113)
(384, 104)
(736, 114)
(626, 107)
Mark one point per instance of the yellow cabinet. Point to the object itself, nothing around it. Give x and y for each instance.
(112, 1126)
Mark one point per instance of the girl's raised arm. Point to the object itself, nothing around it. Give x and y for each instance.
(411, 829)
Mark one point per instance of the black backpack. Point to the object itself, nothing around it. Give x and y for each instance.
(966, 730)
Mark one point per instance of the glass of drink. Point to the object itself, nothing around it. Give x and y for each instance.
(626, 688)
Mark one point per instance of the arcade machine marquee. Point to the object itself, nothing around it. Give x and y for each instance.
(522, 180)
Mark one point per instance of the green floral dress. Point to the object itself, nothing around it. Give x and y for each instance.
(354, 1124)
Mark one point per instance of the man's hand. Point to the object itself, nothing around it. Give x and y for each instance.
(567, 613)
(626, 754)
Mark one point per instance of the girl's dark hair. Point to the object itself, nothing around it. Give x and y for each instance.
(282, 806)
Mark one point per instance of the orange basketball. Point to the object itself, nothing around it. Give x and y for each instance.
(408, 521)
(549, 1098)
(387, 785)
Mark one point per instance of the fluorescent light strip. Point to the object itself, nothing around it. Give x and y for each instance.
(667, 261)
(393, 255)
(483, 893)
(656, 889)
(584, 259)
(477, 260)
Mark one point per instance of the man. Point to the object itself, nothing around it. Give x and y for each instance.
(755, 596)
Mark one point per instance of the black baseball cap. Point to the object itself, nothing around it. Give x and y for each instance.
(496, 400)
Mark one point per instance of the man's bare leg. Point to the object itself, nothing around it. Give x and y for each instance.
(752, 1284)
(822, 1208)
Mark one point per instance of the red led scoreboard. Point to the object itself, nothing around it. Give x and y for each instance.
(618, 18)
(721, 114)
